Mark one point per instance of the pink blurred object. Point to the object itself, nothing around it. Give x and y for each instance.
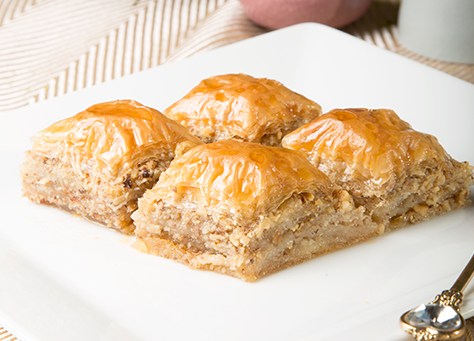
(276, 14)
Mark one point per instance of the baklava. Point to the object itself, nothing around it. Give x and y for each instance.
(239, 106)
(97, 163)
(246, 210)
(398, 174)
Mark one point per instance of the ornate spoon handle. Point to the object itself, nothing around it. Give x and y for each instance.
(465, 277)
(441, 318)
(453, 297)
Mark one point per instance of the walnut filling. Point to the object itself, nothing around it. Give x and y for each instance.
(106, 201)
(303, 227)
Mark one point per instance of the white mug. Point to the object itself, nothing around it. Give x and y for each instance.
(439, 29)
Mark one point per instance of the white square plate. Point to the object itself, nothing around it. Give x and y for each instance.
(62, 278)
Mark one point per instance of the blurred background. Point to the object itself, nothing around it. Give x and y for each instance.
(52, 47)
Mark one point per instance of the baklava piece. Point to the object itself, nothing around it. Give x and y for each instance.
(99, 162)
(246, 210)
(238, 106)
(399, 175)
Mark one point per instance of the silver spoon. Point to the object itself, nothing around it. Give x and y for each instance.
(440, 319)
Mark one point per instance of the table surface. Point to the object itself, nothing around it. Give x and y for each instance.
(54, 47)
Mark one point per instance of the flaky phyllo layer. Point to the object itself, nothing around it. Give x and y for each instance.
(238, 106)
(398, 174)
(111, 138)
(100, 161)
(242, 180)
(246, 210)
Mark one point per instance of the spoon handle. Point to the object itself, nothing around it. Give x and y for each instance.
(465, 277)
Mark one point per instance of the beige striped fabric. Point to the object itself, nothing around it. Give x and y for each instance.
(79, 43)
(53, 47)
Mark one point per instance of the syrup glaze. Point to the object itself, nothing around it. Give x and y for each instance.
(242, 106)
(242, 178)
(112, 137)
(372, 147)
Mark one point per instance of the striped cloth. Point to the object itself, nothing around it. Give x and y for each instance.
(52, 47)
(75, 44)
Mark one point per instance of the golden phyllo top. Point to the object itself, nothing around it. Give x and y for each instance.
(239, 105)
(372, 147)
(242, 179)
(112, 137)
